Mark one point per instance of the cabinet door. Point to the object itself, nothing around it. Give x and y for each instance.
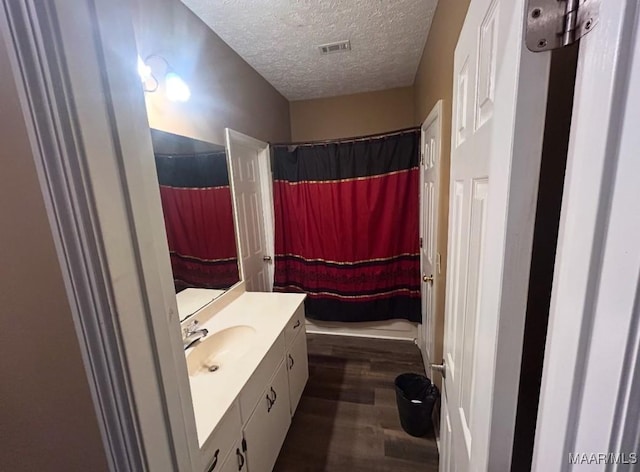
(298, 367)
(267, 427)
(295, 325)
(220, 442)
(236, 460)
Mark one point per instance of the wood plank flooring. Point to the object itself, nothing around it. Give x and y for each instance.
(347, 419)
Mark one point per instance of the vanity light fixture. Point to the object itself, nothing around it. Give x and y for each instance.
(144, 71)
(176, 89)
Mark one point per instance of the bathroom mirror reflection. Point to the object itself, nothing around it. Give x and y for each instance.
(198, 216)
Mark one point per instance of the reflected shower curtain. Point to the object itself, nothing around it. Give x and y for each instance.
(347, 226)
(196, 202)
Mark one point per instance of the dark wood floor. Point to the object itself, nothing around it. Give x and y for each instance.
(347, 419)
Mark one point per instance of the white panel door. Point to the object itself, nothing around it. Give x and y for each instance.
(250, 182)
(500, 91)
(429, 191)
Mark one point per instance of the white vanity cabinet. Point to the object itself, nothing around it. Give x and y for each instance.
(265, 430)
(236, 460)
(267, 427)
(298, 366)
(295, 325)
(296, 358)
(221, 443)
(270, 380)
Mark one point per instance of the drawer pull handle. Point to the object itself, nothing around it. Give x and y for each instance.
(215, 460)
(295, 326)
(275, 395)
(240, 459)
(291, 362)
(270, 403)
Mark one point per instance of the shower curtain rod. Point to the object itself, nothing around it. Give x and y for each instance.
(348, 140)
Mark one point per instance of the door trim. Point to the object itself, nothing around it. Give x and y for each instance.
(84, 108)
(591, 372)
(266, 182)
(435, 116)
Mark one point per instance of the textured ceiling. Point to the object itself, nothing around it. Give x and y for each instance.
(280, 39)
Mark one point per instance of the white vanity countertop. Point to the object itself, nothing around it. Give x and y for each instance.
(190, 300)
(213, 393)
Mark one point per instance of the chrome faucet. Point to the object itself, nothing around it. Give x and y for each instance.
(191, 334)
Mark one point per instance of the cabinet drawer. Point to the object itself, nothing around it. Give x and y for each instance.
(295, 325)
(266, 429)
(221, 440)
(236, 460)
(298, 366)
(252, 391)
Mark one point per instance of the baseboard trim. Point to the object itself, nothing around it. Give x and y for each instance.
(359, 335)
(392, 329)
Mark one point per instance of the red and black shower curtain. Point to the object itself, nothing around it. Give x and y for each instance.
(196, 202)
(346, 226)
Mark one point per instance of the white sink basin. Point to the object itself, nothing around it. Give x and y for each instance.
(218, 350)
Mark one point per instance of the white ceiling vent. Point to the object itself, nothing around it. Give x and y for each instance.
(340, 46)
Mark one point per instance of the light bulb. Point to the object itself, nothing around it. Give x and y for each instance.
(144, 71)
(177, 89)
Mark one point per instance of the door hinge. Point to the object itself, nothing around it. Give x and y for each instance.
(420, 243)
(421, 158)
(244, 445)
(552, 24)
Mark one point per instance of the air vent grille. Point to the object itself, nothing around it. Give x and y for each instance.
(330, 48)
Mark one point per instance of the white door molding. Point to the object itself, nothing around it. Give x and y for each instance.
(84, 108)
(589, 395)
(430, 162)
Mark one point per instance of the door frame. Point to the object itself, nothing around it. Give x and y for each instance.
(266, 190)
(590, 388)
(435, 116)
(84, 109)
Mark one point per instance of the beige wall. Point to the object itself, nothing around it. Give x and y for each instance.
(352, 115)
(434, 81)
(226, 91)
(47, 418)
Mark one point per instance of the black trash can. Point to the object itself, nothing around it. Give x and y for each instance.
(415, 396)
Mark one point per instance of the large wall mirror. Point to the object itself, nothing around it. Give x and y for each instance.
(198, 215)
